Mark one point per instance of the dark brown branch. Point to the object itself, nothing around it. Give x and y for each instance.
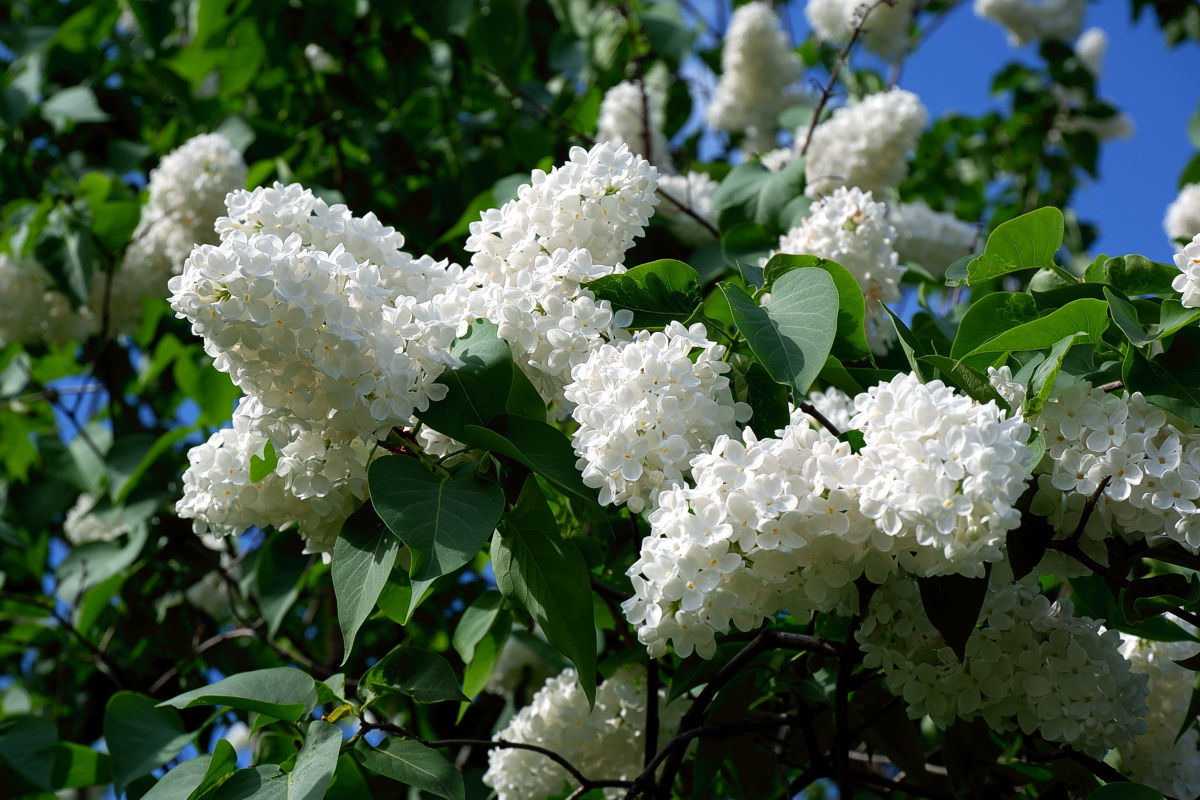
(841, 711)
(811, 410)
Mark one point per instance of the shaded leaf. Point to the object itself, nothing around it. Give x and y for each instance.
(363, 557)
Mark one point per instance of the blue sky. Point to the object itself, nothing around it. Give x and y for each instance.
(1156, 86)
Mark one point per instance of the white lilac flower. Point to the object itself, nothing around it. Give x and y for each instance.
(623, 120)
(530, 258)
(1155, 758)
(608, 740)
(1183, 215)
(759, 72)
(765, 525)
(945, 473)
(849, 227)
(1035, 20)
(186, 194)
(1030, 664)
(884, 32)
(221, 500)
(1152, 462)
(866, 144)
(36, 312)
(933, 239)
(646, 407)
(694, 190)
(835, 405)
(1187, 282)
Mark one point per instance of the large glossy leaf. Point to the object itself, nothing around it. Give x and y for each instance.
(363, 557)
(656, 293)
(476, 620)
(26, 747)
(792, 333)
(478, 386)
(444, 520)
(547, 577)
(952, 603)
(988, 317)
(1169, 381)
(1132, 274)
(140, 735)
(851, 340)
(413, 764)
(1087, 317)
(182, 781)
(280, 692)
(539, 446)
(421, 674)
(1028, 241)
(76, 766)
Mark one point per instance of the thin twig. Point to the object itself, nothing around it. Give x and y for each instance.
(827, 90)
(811, 410)
(841, 711)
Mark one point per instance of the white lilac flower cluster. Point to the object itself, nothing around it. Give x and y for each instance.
(694, 190)
(941, 473)
(1155, 758)
(1153, 464)
(933, 239)
(623, 120)
(530, 257)
(865, 144)
(849, 227)
(316, 485)
(1035, 20)
(758, 74)
(1090, 49)
(36, 312)
(335, 335)
(607, 741)
(1187, 282)
(1183, 215)
(884, 31)
(186, 194)
(646, 407)
(792, 521)
(835, 405)
(1030, 664)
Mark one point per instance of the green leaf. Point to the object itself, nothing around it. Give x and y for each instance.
(72, 105)
(1132, 274)
(988, 317)
(850, 341)
(220, 767)
(752, 193)
(280, 692)
(180, 782)
(910, 345)
(483, 659)
(478, 388)
(140, 735)
(1028, 241)
(547, 577)
(93, 563)
(413, 764)
(952, 603)
(657, 292)
(421, 674)
(443, 520)
(1087, 317)
(76, 766)
(280, 565)
(971, 381)
(262, 467)
(791, 334)
(538, 445)
(131, 456)
(26, 744)
(476, 620)
(1041, 385)
(768, 401)
(363, 557)
(1125, 790)
(1161, 385)
(315, 763)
